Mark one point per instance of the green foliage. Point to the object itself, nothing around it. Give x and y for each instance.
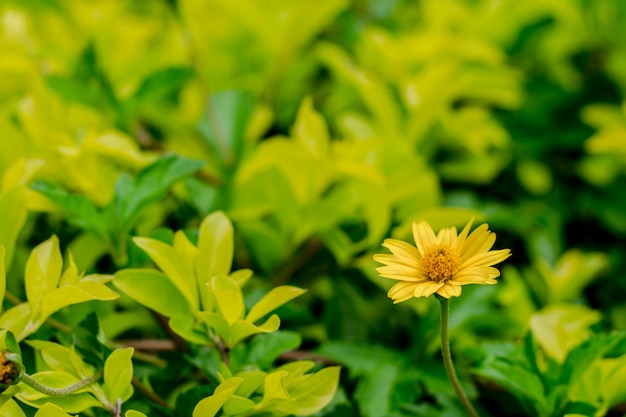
(168, 149)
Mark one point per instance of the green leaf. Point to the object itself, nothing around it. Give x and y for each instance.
(11, 409)
(133, 413)
(79, 210)
(310, 129)
(243, 328)
(217, 323)
(215, 249)
(173, 265)
(519, 381)
(11, 343)
(17, 320)
(584, 355)
(225, 128)
(559, 328)
(159, 84)
(118, 373)
(252, 380)
(43, 271)
(264, 349)
(51, 410)
(186, 327)
(74, 294)
(55, 356)
(237, 405)
(133, 195)
(311, 393)
(3, 275)
(266, 244)
(209, 406)
(154, 290)
(272, 300)
(229, 298)
(12, 206)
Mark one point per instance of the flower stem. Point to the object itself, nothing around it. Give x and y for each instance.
(447, 357)
(58, 392)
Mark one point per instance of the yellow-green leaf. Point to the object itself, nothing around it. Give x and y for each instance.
(17, 320)
(243, 328)
(215, 248)
(209, 406)
(154, 290)
(51, 410)
(237, 405)
(310, 129)
(173, 265)
(13, 212)
(272, 300)
(216, 322)
(560, 327)
(274, 388)
(3, 276)
(118, 373)
(11, 409)
(311, 393)
(229, 298)
(71, 274)
(74, 294)
(186, 327)
(133, 413)
(43, 271)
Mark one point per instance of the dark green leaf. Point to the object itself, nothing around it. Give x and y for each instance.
(224, 128)
(266, 348)
(80, 211)
(151, 184)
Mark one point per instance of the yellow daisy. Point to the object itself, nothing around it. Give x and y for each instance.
(440, 263)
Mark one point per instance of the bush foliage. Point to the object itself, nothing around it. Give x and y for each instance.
(191, 193)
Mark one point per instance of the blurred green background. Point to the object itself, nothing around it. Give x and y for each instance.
(322, 128)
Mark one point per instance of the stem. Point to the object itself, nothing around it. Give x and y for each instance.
(58, 392)
(447, 357)
(151, 395)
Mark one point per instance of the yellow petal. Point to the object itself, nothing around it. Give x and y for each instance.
(424, 236)
(449, 291)
(389, 259)
(487, 258)
(447, 236)
(399, 274)
(480, 240)
(402, 291)
(470, 276)
(460, 240)
(402, 249)
(426, 288)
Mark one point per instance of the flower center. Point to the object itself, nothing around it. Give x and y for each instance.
(440, 262)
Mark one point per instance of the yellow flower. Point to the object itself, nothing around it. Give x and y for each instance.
(440, 263)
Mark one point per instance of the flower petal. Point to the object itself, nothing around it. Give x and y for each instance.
(487, 258)
(427, 288)
(480, 240)
(460, 239)
(470, 276)
(424, 236)
(402, 249)
(389, 272)
(390, 259)
(402, 291)
(449, 291)
(447, 236)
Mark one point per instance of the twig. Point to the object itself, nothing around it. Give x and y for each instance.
(151, 395)
(304, 255)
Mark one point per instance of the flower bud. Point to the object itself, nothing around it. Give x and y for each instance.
(11, 369)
